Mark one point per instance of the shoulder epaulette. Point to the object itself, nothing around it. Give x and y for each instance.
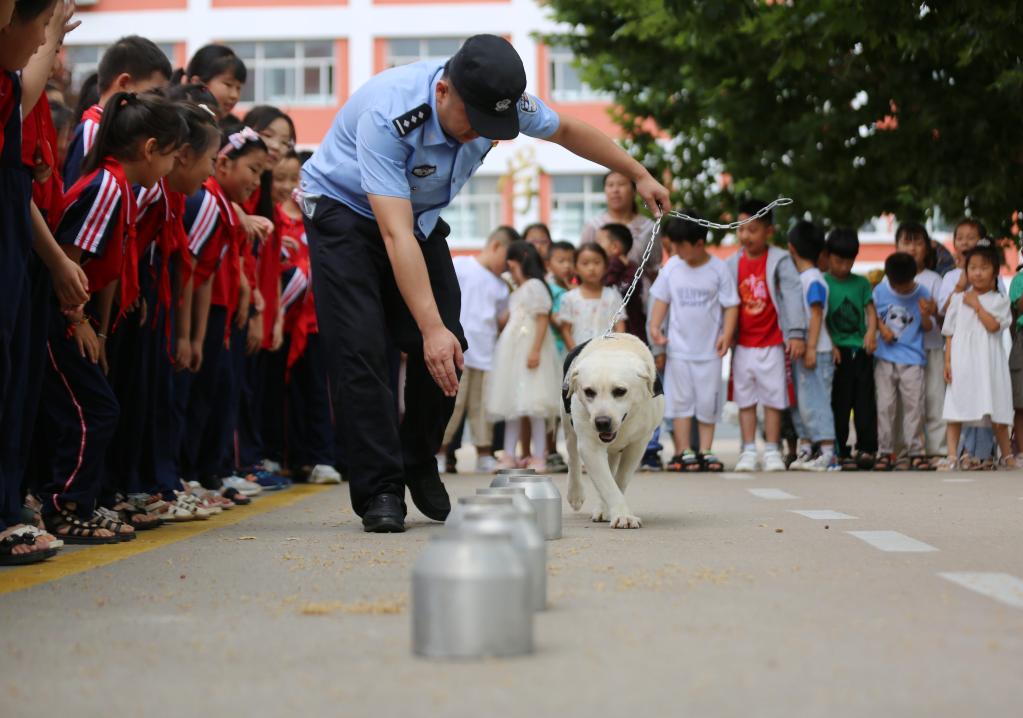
(412, 119)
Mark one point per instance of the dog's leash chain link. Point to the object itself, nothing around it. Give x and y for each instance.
(780, 202)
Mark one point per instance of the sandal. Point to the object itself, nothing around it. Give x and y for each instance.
(39, 535)
(902, 464)
(1007, 463)
(883, 462)
(945, 464)
(12, 541)
(712, 463)
(865, 461)
(236, 497)
(969, 463)
(138, 519)
(72, 529)
(848, 463)
(921, 463)
(107, 519)
(674, 464)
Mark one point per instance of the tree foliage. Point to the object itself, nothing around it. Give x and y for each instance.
(852, 107)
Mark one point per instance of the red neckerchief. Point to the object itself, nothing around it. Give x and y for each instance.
(39, 141)
(94, 113)
(120, 259)
(230, 264)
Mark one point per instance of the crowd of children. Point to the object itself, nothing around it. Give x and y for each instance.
(159, 348)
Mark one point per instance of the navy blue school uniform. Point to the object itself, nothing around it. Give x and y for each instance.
(81, 142)
(79, 407)
(15, 244)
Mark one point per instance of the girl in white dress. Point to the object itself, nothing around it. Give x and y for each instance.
(586, 310)
(526, 380)
(976, 365)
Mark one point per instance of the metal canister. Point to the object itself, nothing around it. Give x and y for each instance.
(546, 500)
(467, 503)
(504, 474)
(518, 496)
(525, 537)
(470, 598)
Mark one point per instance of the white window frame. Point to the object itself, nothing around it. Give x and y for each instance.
(81, 70)
(592, 199)
(461, 214)
(559, 61)
(391, 60)
(257, 67)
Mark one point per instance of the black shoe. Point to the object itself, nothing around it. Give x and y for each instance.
(428, 494)
(385, 514)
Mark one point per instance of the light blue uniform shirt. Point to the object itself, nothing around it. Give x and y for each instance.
(365, 152)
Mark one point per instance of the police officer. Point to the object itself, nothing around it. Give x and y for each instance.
(396, 155)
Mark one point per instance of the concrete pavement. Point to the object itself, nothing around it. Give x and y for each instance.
(726, 603)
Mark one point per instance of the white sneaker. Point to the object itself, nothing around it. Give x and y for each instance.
(773, 461)
(486, 465)
(442, 464)
(244, 486)
(747, 462)
(803, 459)
(271, 466)
(323, 474)
(821, 463)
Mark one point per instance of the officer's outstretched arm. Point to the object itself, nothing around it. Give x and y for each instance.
(590, 143)
(441, 349)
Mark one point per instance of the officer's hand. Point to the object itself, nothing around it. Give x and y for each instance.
(443, 354)
(654, 195)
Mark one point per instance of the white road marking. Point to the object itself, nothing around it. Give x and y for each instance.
(823, 514)
(958, 481)
(772, 494)
(733, 476)
(892, 541)
(1002, 587)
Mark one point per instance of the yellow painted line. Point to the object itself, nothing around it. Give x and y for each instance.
(85, 558)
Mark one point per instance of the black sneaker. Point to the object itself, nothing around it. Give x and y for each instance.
(651, 461)
(428, 494)
(385, 514)
(556, 464)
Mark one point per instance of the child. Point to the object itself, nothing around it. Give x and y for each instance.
(484, 312)
(560, 273)
(587, 309)
(539, 235)
(852, 326)
(221, 70)
(525, 363)
(814, 373)
(912, 238)
(1016, 357)
(704, 306)
(132, 64)
(616, 239)
(771, 328)
(136, 143)
(976, 367)
(903, 319)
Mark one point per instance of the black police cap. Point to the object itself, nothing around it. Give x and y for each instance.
(488, 75)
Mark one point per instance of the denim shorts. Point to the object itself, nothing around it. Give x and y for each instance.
(814, 420)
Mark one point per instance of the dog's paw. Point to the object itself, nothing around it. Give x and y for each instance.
(601, 515)
(576, 495)
(625, 521)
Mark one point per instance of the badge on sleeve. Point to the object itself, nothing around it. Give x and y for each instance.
(412, 119)
(527, 103)
(424, 170)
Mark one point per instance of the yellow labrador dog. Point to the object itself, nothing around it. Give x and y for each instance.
(611, 405)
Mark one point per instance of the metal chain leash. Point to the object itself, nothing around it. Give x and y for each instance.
(780, 202)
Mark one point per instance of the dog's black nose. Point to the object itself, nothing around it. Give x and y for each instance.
(603, 424)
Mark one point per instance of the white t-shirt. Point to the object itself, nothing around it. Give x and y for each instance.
(815, 291)
(588, 317)
(484, 299)
(931, 281)
(696, 297)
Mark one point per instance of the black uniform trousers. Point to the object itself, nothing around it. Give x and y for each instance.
(853, 391)
(361, 313)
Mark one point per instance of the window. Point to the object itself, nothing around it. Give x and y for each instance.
(474, 213)
(575, 199)
(288, 73)
(83, 60)
(565, 83)
(402, 51)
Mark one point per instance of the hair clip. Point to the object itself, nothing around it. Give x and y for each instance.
(239, 139)
(984, 242)
(129, 98)
(205, 107)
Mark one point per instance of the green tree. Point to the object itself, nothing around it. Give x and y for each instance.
(851, 107)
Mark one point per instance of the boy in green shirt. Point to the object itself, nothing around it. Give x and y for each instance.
(852, 322)
(1016, 355)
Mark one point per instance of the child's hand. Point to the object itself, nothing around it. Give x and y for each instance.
(870, 343)
(810, 360)
(659, 361)
(182, 354)
(87, 341)
(658, 337)
(290, 243)
(721, 346)
(961, 284)
(795, 348)
(41, 172)
(104, 365)
(887, 334)
(836, 356)
(971, 300)
(254, 339)
(928, 307)
(948, 372)
(533, 360)
(277, 340)
(195, 362)
(244, 303)
(143, 306)
(258, 303)
(70, 283)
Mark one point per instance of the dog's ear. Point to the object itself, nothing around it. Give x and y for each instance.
(571, 383)
(648, 376)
